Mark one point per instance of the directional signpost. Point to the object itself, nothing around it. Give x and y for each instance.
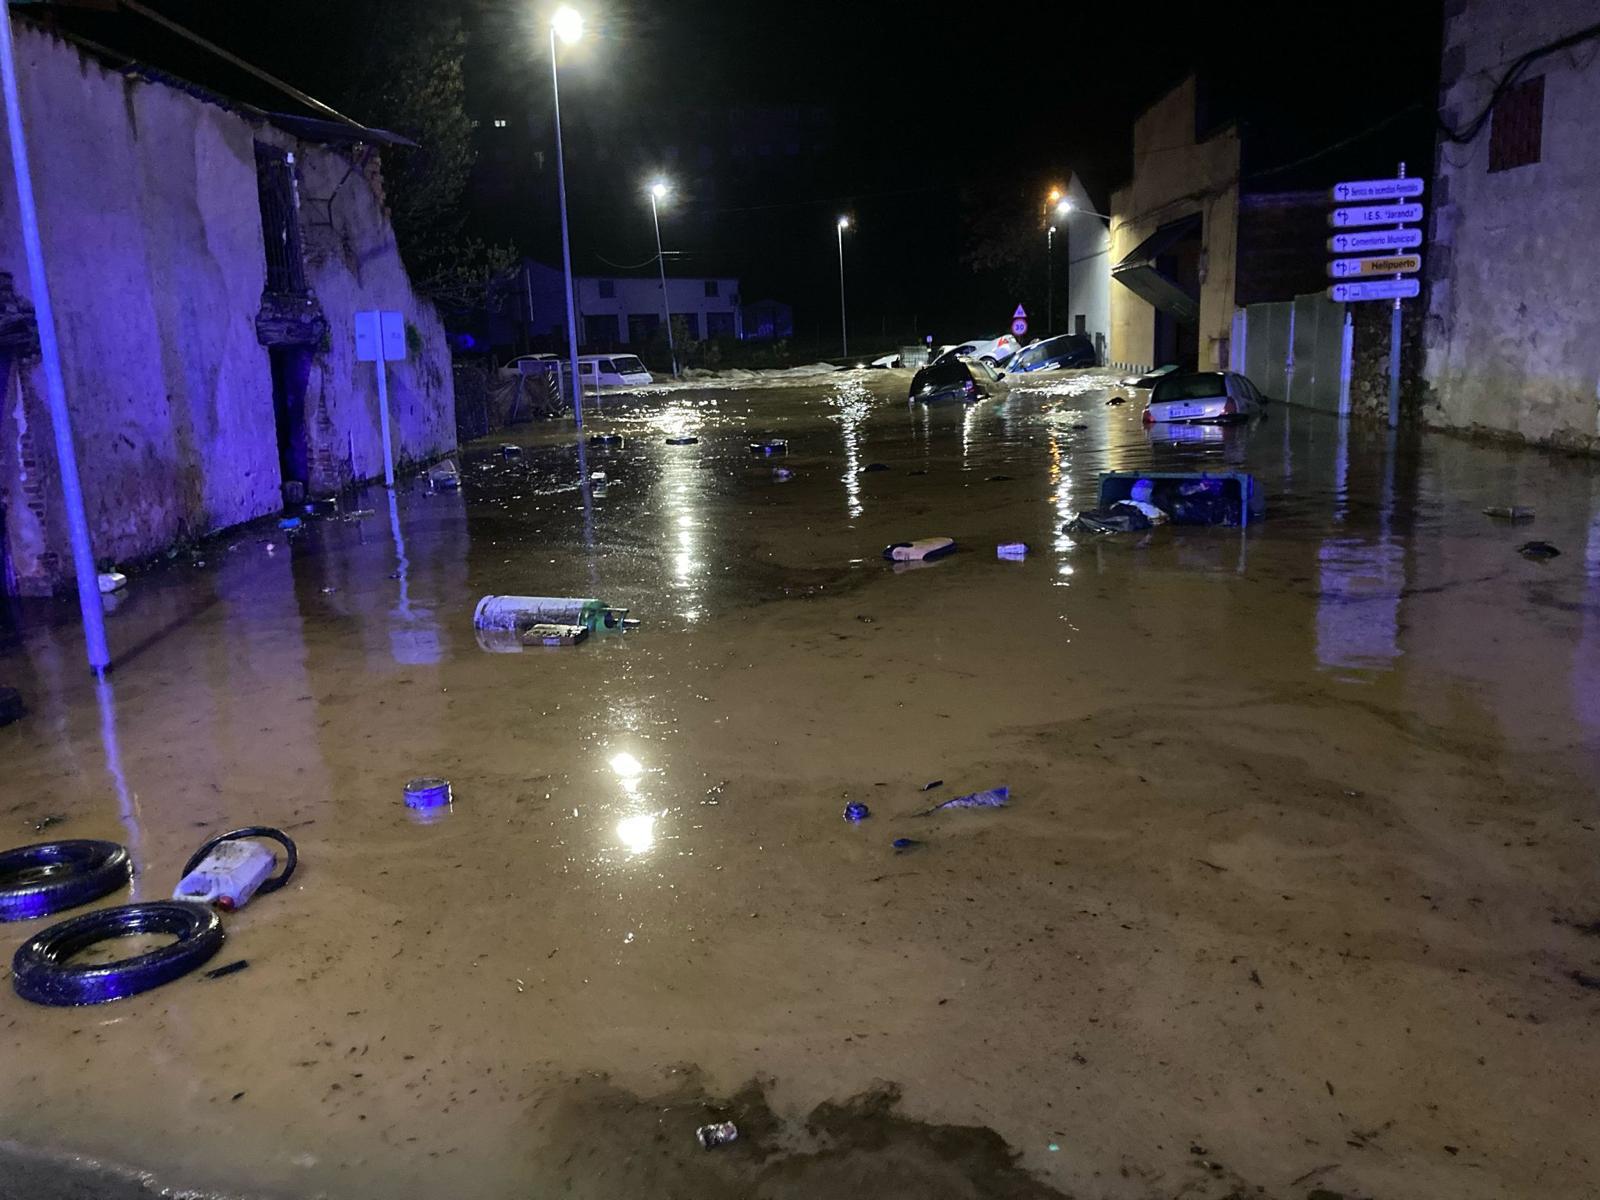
(1378, 276)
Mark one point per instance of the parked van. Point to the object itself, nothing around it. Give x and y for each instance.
(612, 370)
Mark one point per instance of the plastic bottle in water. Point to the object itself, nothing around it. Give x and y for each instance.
(515, 614)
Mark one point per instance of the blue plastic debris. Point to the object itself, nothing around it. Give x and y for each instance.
(993, 798)
(289, 523)
(428, 792)
(770, 446)
(901, 845)
(1016, 551)
(856, 811)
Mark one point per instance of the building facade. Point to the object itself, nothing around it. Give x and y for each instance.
(206, 262)
(1509, 343)
(1087, 244)
(615, 311)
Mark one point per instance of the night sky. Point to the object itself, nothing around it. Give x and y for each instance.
(921, 121)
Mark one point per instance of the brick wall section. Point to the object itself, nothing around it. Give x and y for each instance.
(1369, 362)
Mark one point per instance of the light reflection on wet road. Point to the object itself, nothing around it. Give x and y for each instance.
(1366, 699)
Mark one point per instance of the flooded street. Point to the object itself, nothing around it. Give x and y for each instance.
(1303, 825)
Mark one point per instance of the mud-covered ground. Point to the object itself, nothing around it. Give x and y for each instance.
(1290, 900)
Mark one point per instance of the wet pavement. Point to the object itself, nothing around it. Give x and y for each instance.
(1289, 896)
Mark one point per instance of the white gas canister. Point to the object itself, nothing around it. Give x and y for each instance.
(229, 875)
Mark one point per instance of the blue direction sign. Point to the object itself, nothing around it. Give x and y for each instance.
(1376, 239)
(1356, 190)
(1375, 289)
(1375, 214)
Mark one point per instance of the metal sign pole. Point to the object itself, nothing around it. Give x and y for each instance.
(383, 420)
(89, 602)
(1394, 349)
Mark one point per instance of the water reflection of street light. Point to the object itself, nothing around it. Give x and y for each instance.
(844, 324)
(658, 191)
(567, 24)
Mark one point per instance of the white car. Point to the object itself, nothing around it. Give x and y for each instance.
(990, 351)
(1203, 396)
(613, 370)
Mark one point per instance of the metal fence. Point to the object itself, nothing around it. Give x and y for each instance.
(1296, 351)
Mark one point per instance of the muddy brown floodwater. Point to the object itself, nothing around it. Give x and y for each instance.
(1290, 900)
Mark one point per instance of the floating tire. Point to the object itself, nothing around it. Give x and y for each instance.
(50, 877)
(41, 972)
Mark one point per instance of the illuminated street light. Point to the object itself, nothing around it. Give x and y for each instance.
(568, 26)
(658, 191)
(844, 324)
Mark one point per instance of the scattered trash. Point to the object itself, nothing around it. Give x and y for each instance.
(546, 634)
(1538, 550)
(856, 811)
(361, 514)
(1188, 497)
(1117, 519)
(115, 581)
(920, 550)
(287, 523)
(234, 866)
(682, 441)
(445, 475)
(50, 877)
(1115, 400)
(770, 446)
(1016, 551)
(901, 845)
(510, 450)
(605, 439)
(875, 467)
(999, 479)
(47, 968)
(232, 968)
(47, 821)
(328, 591)
(782, 474)
(992, 798)
(11, 706)
(931, 784)
(1509, 512)
(1080, 426)
(720, 1134)
(428, 792)
(325, 507)
(597, 476)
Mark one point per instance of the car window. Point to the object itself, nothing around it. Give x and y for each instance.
(1188, 387)
(628, 364)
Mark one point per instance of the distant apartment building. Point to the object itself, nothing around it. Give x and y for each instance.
(621, 310)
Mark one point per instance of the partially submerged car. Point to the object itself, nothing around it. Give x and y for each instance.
(995, 351)
(1054, 354)
(613, 370)
(948, 380)
(1203, 396)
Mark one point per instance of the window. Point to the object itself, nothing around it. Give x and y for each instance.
(711, 287)
(280, 221)
(608, 289)
(499, 122)
(1516, 131)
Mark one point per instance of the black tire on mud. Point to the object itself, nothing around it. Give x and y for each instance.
(47, 878)
(40, 970)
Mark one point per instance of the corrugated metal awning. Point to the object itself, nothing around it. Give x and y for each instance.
(1139, 274)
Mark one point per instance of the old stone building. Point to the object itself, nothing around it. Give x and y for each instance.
(1510, 343)
(206, 260)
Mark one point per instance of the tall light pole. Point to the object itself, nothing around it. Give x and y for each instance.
(567, 24)
(844, 324)
(658, 189)
(1062, 208)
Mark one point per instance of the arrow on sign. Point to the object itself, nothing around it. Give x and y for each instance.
(1377, 189)
(1377, 239)
(1375, 289)
(1375, 214)
(1394, 264)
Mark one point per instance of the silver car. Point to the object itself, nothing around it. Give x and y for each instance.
(1203, 396)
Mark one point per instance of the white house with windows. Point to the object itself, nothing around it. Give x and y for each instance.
(622, 310)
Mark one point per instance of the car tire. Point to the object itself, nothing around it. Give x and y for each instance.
(989, 362)
(40, 970)
(47, 878)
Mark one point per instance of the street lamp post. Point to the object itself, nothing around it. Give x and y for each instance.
(844, 323)
(657, 191)
(567, 24)
(1062, 208)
